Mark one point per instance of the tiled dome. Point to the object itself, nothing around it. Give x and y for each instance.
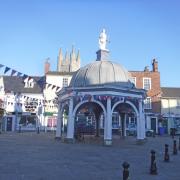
(101, 73)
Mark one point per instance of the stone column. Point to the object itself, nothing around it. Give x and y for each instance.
(108, 125)
(140, 123)
(70, 124)
(59, 120)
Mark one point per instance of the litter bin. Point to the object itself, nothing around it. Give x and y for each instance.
(161, 130)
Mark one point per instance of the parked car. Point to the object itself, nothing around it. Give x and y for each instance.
(131, 130)
(150, 133)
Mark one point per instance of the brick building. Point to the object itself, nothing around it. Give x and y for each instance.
(150, 80)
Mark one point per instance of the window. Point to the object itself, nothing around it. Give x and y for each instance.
(147, 83)
(147, 103)
(65, 82)
(178, 104)
(115, 120)
(133, 80)
(29, 84)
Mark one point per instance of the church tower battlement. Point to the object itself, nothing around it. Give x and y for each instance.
(70, 62)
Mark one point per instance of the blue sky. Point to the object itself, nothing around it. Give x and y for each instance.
(139, 30)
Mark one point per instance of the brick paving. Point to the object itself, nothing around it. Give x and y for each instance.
(31, 156)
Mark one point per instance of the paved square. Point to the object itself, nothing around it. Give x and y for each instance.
(34, 156)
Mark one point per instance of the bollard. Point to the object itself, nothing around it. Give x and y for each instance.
(166, 155)
(174, 148)
(19, 129)
(153, 168)
(125, 165)
(38, 131)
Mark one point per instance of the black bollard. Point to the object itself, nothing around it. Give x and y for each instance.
(38, 131)
(166, 154)
(174, 148)
(179, 143)
(19, 129)
(153, 168)
(125, 165)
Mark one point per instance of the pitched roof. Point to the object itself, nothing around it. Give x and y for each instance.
(170, 92)
(59, 73)
(16, 84)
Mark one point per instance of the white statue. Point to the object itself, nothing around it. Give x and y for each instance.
(102, 40)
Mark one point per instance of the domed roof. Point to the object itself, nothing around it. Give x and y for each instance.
(101, 73)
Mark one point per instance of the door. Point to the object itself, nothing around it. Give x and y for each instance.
(153, 124)
(9, 124)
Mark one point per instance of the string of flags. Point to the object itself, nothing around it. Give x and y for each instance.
(41, 81)
(89, 97)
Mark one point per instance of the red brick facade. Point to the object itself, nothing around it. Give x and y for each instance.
(155, 92)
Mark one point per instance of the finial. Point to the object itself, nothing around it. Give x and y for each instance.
(78, 56)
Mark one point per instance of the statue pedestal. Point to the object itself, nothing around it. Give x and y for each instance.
(102, 55)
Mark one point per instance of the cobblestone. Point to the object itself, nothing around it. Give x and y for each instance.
(32, 156)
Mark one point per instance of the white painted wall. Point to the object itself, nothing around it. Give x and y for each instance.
(169, 106)
(56, 80)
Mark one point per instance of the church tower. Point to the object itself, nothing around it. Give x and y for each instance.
(60, 60)
(70, 63)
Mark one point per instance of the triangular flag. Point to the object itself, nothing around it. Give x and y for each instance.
(1, 65)
(19, 74)
(6, 70)
(13, 72)
(49, 85)
(53, 87)
(41, 80)
(25, 76)
(57, 88)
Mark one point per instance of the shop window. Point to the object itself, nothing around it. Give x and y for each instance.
(178, 104)
(28, 121)
(52, 122)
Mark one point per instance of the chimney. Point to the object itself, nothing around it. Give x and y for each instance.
(155, 65)
(46, 66)
(146, 69)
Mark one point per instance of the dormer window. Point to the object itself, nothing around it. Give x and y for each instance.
(28, 83)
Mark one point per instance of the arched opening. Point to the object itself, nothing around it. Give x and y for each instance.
(87, 119)
(124, 119)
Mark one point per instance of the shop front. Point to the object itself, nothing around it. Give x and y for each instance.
(51, 121)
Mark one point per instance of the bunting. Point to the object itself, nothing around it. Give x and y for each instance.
(88, 97)
(13, 72)
(6, 70)
(1, 65)
(41, 81)
(19, 74)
